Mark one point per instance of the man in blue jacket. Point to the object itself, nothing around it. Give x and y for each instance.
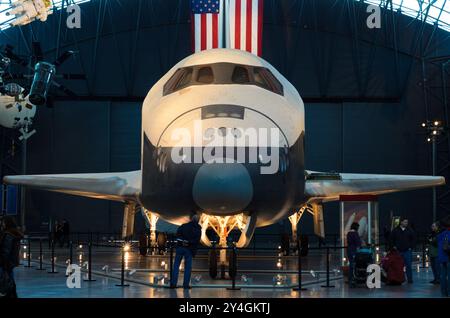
(443, 256)
(188, 239)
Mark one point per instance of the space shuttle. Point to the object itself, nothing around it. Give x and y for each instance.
(223, 136)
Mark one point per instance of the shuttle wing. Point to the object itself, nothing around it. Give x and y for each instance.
(328, 187)
(123, 186)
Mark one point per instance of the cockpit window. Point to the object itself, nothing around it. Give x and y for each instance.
(223, 73)
(182, 78)
(185, 78)
(240, 75)
(265, 79)
(260, 79)
(205, 75)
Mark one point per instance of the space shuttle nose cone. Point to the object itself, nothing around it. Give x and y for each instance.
(222, 188)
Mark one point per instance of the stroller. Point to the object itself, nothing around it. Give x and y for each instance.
(363, 258)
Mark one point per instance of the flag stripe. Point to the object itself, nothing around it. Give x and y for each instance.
(243, 23)
(203, 32)
(220, 29)
(237, 18)
(198, 24)
(193, 32)
(215, 32)
(209, 31)
(255, 20)
(249, 26)
(260, 25)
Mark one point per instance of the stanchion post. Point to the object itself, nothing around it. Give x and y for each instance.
(299, 288)
(71, 252)
(40, 256)
(122, 273)
(424, 255)
(171, 261)
(328, 271)
(89, 279)
(53, 259)
(28, 253)
(233, 269)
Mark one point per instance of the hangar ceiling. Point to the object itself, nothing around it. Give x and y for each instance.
(431, 11)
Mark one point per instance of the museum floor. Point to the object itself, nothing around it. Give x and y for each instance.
(262, 275)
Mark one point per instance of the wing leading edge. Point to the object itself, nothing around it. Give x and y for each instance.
(122, 186)
(330, 188)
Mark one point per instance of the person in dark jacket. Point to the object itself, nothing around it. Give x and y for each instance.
(10, 237)
(433, 252)
(443, 240)
(65, 233)
(403, 239)
(188, 239)
(353, 244)
(143, 244)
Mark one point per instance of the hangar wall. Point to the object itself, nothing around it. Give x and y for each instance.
(362, 87)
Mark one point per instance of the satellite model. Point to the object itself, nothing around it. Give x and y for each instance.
(20, 93)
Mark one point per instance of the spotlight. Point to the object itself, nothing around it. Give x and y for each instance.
(436, 123)
(434, 132)
(428, 139)
(424, 125)
(43, 76)
(126, 247)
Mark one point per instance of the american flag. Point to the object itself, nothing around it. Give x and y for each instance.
(244, 25)
(207, 24)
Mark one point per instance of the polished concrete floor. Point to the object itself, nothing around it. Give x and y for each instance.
(260, 276)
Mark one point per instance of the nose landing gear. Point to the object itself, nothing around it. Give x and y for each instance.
(223, 225)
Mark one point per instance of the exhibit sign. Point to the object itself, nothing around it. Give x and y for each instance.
(362, 209)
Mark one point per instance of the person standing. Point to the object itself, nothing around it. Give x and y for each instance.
(10, 237)
(65, 233)
(433, 252)
(353, 244)
(188, 239)
(403, 239)
(443, 240)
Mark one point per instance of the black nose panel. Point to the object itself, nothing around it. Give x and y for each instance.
(222, 188)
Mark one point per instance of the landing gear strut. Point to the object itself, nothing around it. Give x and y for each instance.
(151, 219)
(316, 210)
